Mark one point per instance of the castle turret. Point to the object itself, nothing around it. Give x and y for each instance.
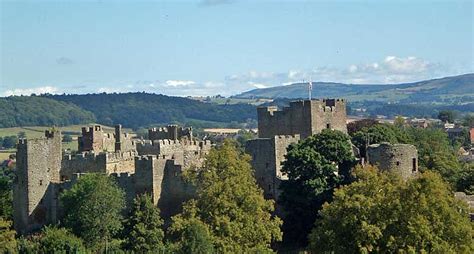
(38, 169)
(399, 158)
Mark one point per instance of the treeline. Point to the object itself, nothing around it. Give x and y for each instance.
(32, 110)
(135, 110)
(132, 110)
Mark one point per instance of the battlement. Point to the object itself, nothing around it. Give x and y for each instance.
(287, 136)
(172, 132)
(304, 117)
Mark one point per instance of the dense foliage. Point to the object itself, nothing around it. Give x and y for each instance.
(33, 110)
(58, 240)
(314, 167)
(142, 230)
(93, 209)
(143, 109)
(383, 214)
(230, 205)
(8, 242)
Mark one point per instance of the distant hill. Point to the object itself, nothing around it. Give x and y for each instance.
(143, 109)
(33, 110)
(450, 90)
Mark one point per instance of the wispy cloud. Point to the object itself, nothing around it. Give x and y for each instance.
(64, 61)
(34, 90)
(391, 69)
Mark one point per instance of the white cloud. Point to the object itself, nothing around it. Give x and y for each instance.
(33, 90)
(176, 83)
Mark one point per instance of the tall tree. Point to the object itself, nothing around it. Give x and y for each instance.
(314, 168)
(230, 204)
(143, 233)
(92, 209)
(435, 153)
(190, 234)
(381, 213)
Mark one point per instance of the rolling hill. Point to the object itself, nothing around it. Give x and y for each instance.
(448, 89)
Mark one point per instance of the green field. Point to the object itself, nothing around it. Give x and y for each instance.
(38, 132)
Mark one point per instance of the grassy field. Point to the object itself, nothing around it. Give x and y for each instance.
(38, 132)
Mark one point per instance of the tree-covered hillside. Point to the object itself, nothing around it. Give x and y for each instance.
(32, 110)
(143, 109)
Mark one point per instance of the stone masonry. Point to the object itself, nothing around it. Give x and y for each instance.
(305, 118)
(399, 158)
(38, 169)
(139, 166)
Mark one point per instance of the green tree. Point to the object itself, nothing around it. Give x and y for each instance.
(377, 134)
(190, 234)
(92, 209)
(230, 204)
(6, 198)
(9, 141)
(447, 116)
(59, 240)
(7, 237)
(468, 121)
(314, 168)
(143, 233)
(435, 153)
(381, 213)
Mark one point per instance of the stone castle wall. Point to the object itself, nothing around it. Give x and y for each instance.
(90, 162)
(399, 158)
(267, 157)
(38, 167)
(306, 118)
(172, 132)
(95, 139)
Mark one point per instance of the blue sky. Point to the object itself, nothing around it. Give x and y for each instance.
(226, 47)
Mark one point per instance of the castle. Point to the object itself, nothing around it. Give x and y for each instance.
(277, 129)
(140, 166)
(154, 166)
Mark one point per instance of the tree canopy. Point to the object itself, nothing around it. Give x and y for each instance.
(93, 209)
(381, 213)
(230, 204)
(142, 230)
(314, 166)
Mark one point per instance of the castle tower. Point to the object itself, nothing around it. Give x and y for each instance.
(399, 158)
(38, 169)
(304, 117)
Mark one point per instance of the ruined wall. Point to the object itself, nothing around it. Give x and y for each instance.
(38, 167)
(174, 190)
(399, 158)
(90, 162)
(267, 157)
(302, 117)
(186, 152)
(172, 132)
(97, 140)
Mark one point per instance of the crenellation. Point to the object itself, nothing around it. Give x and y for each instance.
(139, 166)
